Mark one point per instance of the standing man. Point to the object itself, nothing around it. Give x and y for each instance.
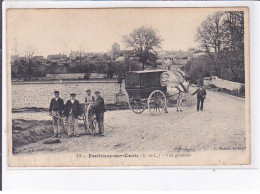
(72, 111)
(99, 108)
(201, 95)
(89, 98)
(56, 107)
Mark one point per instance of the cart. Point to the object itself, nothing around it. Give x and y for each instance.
(88, 116)
(145, 90)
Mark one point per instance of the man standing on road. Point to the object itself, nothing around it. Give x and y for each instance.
(201, 95)
(72, 111)
(99, 108)
(56, 107)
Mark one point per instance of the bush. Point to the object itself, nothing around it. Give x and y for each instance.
(212, 86)
(242, 89)
(239, 93)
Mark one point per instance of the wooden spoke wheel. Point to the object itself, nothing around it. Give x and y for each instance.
(156, 102)
(90, 120)
(137, 106)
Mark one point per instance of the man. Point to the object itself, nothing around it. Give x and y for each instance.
(72, 111)
(89, 98)
(201, 95)
(56, 107)
(99, 108)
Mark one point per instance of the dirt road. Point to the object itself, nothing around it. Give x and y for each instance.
(220, 126)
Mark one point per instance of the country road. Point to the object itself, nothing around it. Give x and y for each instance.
(220, 126)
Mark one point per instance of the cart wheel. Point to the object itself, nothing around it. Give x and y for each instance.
(90, 120)
(156, 102)
(64, 126)
(137, 106)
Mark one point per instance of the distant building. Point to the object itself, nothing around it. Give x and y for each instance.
(115, 50)
(120, 59)
(75, 54)
(56, 57)
(38, 57)
(116, 46)
(175, 60)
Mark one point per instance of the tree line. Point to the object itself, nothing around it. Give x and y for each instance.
(27, 68)
(144, 43)
(221, 39)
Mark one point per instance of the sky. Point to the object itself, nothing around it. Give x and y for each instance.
(53, 31)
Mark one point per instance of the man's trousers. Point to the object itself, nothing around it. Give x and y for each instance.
(56, 123)
(200, 102)
(72, 125)
(100, 121)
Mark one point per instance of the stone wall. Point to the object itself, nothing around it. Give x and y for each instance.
(220, 83)
(39, 95)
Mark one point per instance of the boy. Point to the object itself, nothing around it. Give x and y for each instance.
(99, 108)
(56, 107)
(72, 111)
(201, 95)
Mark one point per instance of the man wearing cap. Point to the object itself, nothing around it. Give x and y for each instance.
(72, 111)
(56, 107)
(99, 108)
(89, 98)
(201, 95)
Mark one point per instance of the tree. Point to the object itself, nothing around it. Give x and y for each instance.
(29, 53)
(199, 67)
(221, 37)
(209, 35)
(233, 30)
(145, 42)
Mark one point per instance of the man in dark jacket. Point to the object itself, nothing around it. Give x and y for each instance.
(99, 108)
(72, 111)
(201, 95)
(56, 107)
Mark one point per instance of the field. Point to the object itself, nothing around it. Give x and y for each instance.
(39, 95)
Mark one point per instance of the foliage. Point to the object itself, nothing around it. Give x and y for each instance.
(198, 68)
(145, 42)
(221, 37)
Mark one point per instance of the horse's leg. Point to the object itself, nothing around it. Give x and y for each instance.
(180, 102)
(165, 108)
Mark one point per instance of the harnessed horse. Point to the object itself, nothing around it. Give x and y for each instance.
(177, 86)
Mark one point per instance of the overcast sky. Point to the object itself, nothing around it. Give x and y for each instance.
(95, 30)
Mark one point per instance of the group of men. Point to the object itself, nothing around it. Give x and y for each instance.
(71, 110)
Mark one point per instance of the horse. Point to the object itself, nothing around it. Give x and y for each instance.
(178, 93)
(177, 86)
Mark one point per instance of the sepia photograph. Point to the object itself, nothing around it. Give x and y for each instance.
(118, 87)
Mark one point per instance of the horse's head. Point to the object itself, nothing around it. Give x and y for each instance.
(186, 84)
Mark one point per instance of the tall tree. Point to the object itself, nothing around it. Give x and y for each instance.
(209, 35)
(145, 43)
(233, 30)
(29, 54)
(221, 37)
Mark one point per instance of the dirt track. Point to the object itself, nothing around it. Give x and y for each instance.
(220, 126)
